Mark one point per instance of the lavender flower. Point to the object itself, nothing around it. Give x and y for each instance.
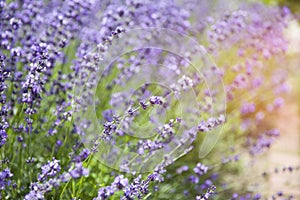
(182, 169)
(50, 169)
(5, 176)
(200, 169)
(210, 192)
(79, 171)
(210, 123)
(120, 182)
(105, 193)
(3, 137)
(264, 141)
(51, 51)
(38, 190)
(156, 100)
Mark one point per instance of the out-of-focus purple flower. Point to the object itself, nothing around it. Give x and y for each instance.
(104, 193)
(5, 176)
(3, 137)
(59, 143)
(194, 179)
(200, 169)
(120, 182)
(108, 115)
(207, 183)
(79, 171)
(65, 177)
(182, 169)
(82, 155)
(257, 197)
(205, 126)
(235, 196)
(278, 102)
(264, 141)
(247, 108)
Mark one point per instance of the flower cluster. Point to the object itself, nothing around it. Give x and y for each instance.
(209, 193)
(263, 141)
(5, 178)
(50, 169)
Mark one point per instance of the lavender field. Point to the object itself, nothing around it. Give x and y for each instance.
(149, 99)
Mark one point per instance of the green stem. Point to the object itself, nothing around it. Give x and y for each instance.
(63, 190)
(87, 161)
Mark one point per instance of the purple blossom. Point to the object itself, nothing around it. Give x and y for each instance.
(82, 155)
(50, 169)
(278, 102)
(205, 126)
(194, 179)
(120, 182)
(38, 189)
(156, 100)
(79, 171)
(257, 197)
(200, 169)
(182, 169)
(264, 141)
(247, 108)
(210, 191)
(108, 115)
(5, 176)
(105, 193)
(3, 137)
